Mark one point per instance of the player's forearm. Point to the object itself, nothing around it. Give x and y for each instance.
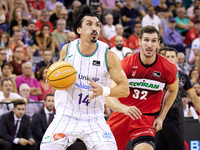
(114, 104)
(121, 90)
(9, 99)
(167, 103)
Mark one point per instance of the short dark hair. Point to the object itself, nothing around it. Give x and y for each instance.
(80, 13)
(196, 21)
(47, 96)
(170, 49)
(161, 49)
(18, 102)
(149, 29)
(196, 8)
(165, 10)
(4, 80)
(4, 64)
(137, 22)
(47, 49)
(40, 74)
(15, 48)
(31, 23)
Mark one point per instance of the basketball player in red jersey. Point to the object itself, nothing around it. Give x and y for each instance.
(140, 115)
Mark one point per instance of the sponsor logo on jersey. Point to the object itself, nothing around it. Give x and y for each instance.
(107, 135)
(146, 84)
(133, 73)
(176, 75)
(156, 74)
(134, 66)
(96, 63)
(82, 77)
(82, 86)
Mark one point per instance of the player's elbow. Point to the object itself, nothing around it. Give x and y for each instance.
(126, 92)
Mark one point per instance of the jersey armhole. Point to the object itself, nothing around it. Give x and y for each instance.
(189, 89)
(106, 51)
(67, 52)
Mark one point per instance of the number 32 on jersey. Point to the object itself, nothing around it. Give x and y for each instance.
(140, 95)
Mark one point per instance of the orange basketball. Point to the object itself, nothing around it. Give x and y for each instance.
(61, 75)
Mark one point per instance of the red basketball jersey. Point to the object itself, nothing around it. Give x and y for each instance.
(147, 82)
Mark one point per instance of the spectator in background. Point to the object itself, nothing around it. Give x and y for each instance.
(183, 24)
(196, 50)
(119, 31)
(29, 39)
(32, 82)
(145, 4)
(31, 108)
(178, 4)
(64, 16)
(15, 128)
(5, 43)
(60, 35)
(196, 14)
(17, 61)
(44, 85)
(4, 4)
(109, 28)
(3, 24)
(17, 41)
(42, 119)
(187, 109)
(6, 74)
(46, 62)
(109, 7)
(159, 9)
(2, 57)
(119, 50)
(172, 37)
(100, 11)
(51, 6)
(170, 4)
(152, 19)
(45, 40)
(192, 34)
(55, 16)
(7, 96)
(194, 76)
(71, 36)
(165, 19)
(75, 5)
(196, 87)
(35, 7)
(182, 65)
(16, 21)
(129, 14)
(134, 38)
(190, 10)
(23, 5)
(44, 19)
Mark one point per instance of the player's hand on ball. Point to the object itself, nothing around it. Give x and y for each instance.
(158, 122)
(97, 90)
(132, 112)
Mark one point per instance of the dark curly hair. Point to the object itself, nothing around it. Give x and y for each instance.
(80, 13)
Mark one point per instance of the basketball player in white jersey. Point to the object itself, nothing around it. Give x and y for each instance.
(80, 109)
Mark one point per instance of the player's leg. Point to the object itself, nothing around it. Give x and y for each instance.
(144, 143)
(98, 136)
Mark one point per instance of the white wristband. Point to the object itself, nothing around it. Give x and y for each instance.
(106, 91)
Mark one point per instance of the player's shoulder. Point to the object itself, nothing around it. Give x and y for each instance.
(166, 64)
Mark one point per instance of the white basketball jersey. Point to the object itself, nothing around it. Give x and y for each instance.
(74, 101)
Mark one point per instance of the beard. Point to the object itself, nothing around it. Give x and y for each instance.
(93, 40)
(32, 32)
(119, 47)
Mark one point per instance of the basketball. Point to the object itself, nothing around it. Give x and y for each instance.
(61, 75)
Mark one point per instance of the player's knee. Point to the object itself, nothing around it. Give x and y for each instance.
(149, 141)
(59, 142)
(106, 146)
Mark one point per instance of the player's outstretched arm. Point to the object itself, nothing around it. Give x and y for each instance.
(63, 52)
(118, 76)
(167, 103)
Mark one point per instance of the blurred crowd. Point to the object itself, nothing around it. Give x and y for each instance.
(32, 33)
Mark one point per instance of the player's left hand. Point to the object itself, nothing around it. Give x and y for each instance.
(158, 122)
(97, 90)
